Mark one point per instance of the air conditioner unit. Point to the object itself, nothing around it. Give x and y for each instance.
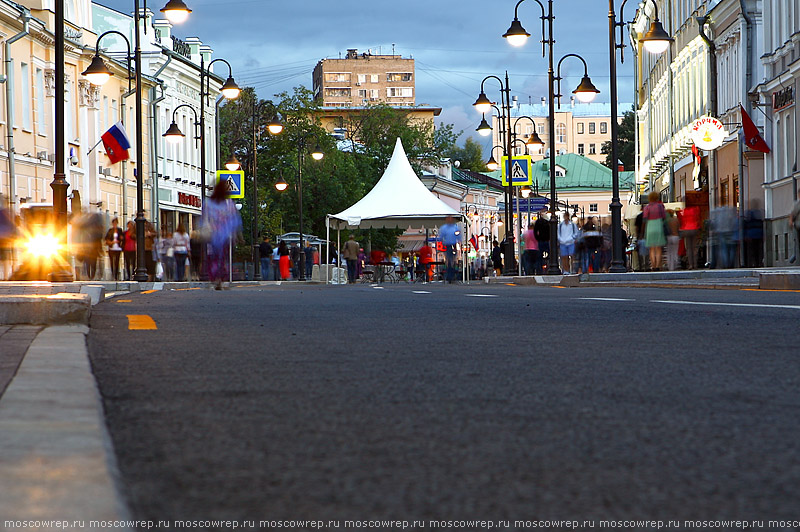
(358, 83)
(41, 154)
(51, 157)
(106, 172)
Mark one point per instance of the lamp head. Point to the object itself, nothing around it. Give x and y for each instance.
(230, 89)
(484, 129)
(281, 185)
(516, 34)
(176, 11)
(233, 164)
(525, 191)
(586, 91)
(656, 40)
(317, 154)
(491, 164)
(97, 73)
(483, 104)
(275, 126)
(534, 140)
(173, 134)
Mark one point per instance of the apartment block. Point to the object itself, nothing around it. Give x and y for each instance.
(362, 79)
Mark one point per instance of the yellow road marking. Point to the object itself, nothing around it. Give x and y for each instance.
(766, 290)
(511, 284)
(558, 286)
(141, 322)
(182, 289)
(124, 300)
(150, 291)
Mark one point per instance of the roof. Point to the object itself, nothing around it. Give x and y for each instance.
(580, 173)
(468, 177)
(578, 110)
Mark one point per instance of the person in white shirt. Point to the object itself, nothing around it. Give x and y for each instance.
(567, 232)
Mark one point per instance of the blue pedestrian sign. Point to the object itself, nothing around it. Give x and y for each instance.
(521, 170)
(235, 182)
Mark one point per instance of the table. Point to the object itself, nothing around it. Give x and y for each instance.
(384, 269)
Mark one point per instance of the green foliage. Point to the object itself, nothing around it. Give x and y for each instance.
(470, 155)
(626, 147)
(328, 186)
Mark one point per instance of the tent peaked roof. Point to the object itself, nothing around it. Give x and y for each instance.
(399, 199)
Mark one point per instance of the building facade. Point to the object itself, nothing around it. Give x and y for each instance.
(364, 79)
(776, 98)
(581, 128)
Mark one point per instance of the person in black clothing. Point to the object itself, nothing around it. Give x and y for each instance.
(294, 256)
(541, 230)
(497, 258)
(593, 241)
(265, 252)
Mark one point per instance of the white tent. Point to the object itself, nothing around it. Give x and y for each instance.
(399, 200)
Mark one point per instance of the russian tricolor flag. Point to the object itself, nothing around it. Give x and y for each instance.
(116, 143)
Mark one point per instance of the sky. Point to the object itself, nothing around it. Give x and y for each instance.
(274, 45)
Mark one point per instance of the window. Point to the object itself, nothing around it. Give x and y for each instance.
(374, 94)
(333, 77)
(337, 93)
(540, 128)
(580, 128)
(603, 128)
(399, 92)
(26, 96)
(40, 105)
(398, 76)
(592, 149)
(561, 133)
(373, 78)
(560, 172)
(362, 93)
(580, 149)
(592, 129)
(593, 207)
(362, 78)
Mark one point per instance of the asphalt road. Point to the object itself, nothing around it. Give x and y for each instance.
(454, 402)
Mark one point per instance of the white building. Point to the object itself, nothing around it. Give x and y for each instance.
(174, 64)
(781, 62)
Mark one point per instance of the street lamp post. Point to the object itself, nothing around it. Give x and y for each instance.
(97, 73)
(483, 105)
(281, 186)
(517, 36)
(656, 41)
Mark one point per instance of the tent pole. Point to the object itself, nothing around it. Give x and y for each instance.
(324, 260)
(338, 245)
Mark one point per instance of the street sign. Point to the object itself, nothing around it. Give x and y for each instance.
(532, 204)
(235, 182)
(521, 170)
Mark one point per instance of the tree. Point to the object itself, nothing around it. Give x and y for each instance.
(470, 155)
(626, 148)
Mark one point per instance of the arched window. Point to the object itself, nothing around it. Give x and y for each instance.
(561, 133)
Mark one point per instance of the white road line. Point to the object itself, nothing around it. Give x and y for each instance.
(377, 287)
(603, 299)
(481, 295)
(711, 304)
(421, 292)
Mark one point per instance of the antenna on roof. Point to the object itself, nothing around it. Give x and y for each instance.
(392, 48)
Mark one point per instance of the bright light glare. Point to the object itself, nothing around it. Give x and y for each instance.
(275, 129)
(585, 97)
(42, 246)
(99, 78)
(517, 40)
(483, 107)
(485, 132)
(231, 93)
(176, 16)
(656, 47)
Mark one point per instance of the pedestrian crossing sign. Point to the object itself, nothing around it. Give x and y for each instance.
(235, 182)
(521, 170)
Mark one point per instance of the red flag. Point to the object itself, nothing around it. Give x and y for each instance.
(751, 135)
(474, 241)
(696, 153)
(116, 143)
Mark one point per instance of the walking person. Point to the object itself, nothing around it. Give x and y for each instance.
(654, 216)
(754, 235)
(294, 256)
(225, 225)
(541, 230)
(529, 256)
(673, 240)
(284, 263)
(276, 263)
(689, 225)
(567, 232)
(350, 255)
(451, 236)
(115, 239)
(129, 251)
(308, 250)
(182, 245)
(794, 222)
(593, 242)
(166, 254)
(497, 259)
(265, 251)
(195, 255)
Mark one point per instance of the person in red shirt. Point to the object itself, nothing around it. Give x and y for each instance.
(689, 225)
(425, 258)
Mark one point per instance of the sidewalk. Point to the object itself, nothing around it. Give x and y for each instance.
(755, 278)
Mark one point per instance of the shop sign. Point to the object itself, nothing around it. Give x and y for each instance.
(783, 99)
(189, 199)
(708, 133)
